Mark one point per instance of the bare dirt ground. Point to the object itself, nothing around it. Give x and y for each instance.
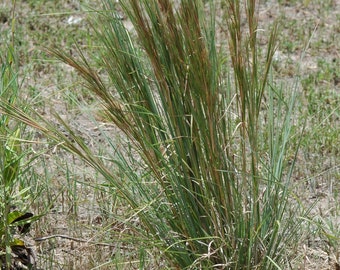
(68, 190)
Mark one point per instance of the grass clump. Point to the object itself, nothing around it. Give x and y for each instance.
(211, 186)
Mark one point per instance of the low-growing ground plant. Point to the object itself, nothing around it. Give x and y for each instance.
(14, 220)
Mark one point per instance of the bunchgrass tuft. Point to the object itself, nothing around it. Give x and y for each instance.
(212, 183)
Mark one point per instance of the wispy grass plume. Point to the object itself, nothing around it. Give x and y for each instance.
(212, 189)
